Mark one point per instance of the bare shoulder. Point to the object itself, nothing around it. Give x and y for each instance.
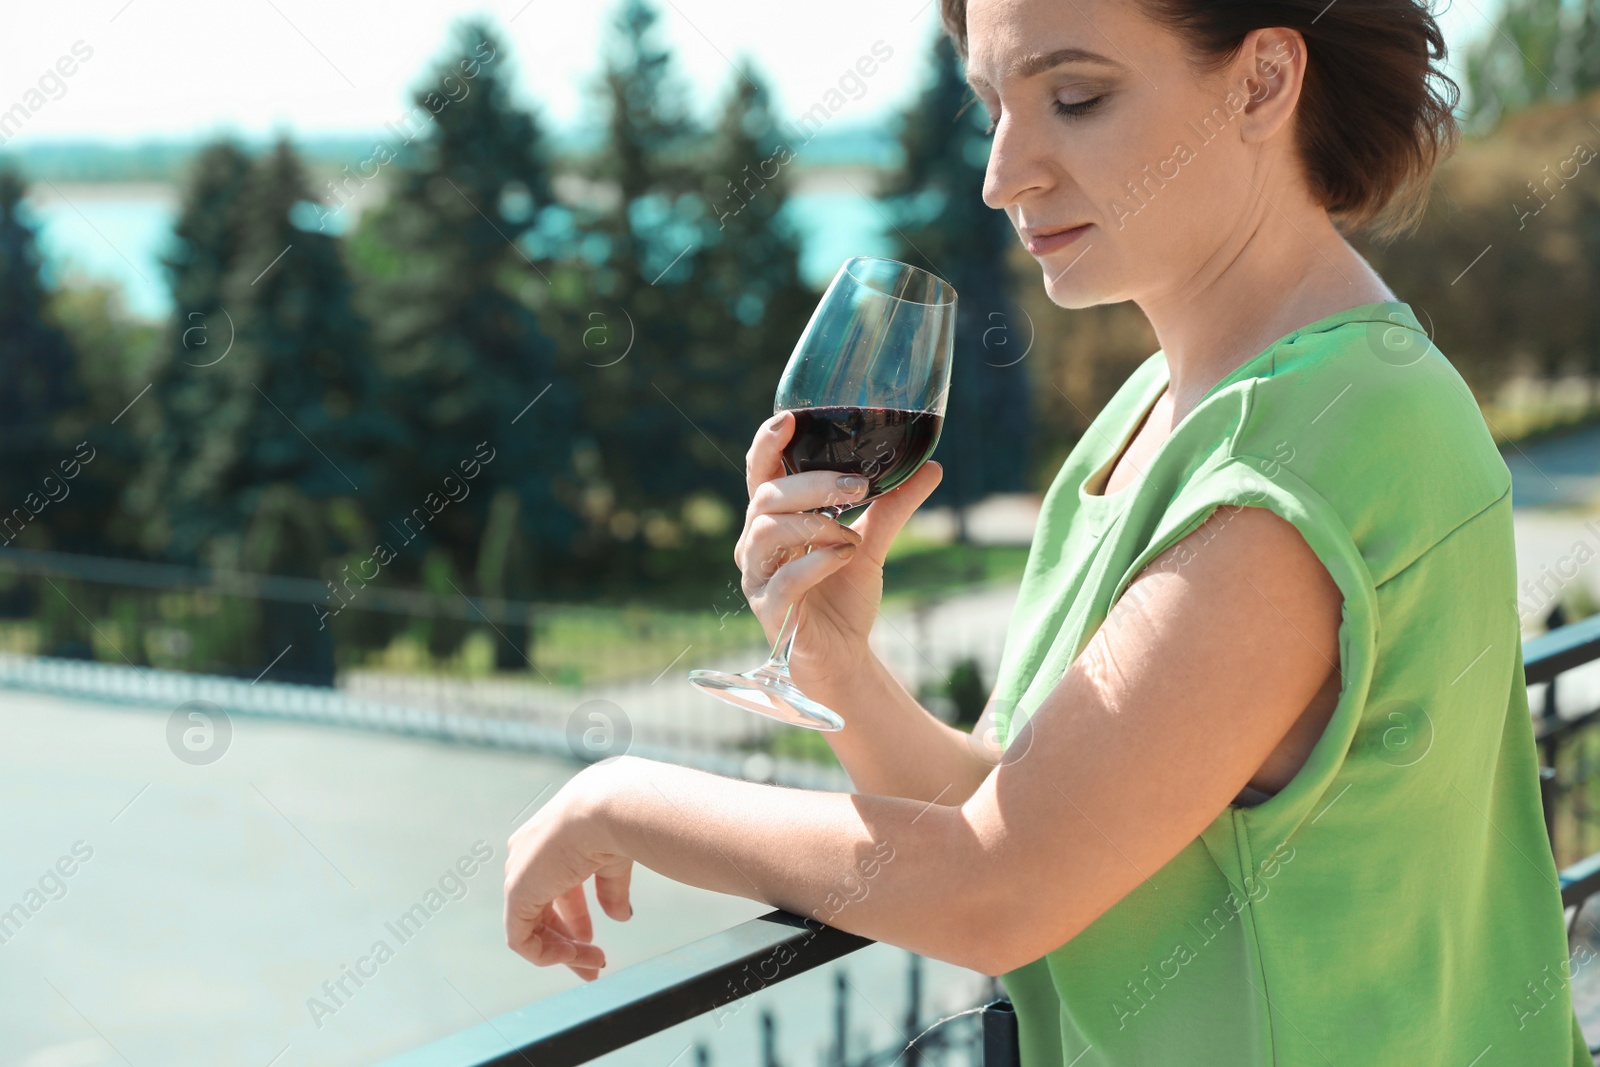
(1246, 548)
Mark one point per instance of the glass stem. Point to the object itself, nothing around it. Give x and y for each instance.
(778, 662)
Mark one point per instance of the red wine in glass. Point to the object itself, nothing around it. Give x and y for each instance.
(884, 445)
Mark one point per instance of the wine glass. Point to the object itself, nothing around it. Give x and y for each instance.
(867, 385)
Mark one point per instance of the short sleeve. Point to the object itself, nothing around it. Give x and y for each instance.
(1240, 481)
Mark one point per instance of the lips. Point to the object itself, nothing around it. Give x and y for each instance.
(1043, 240)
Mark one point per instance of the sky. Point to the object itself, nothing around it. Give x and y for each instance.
(180, 69)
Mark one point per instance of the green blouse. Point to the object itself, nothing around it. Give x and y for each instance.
(1396, 902)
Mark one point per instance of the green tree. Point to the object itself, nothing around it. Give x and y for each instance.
(1534, 50)
(116, 354)
(455, 294)
(663, 433)
(298, 431)
(751, 269)
(40, 371)
(942, 225)
(182, 422)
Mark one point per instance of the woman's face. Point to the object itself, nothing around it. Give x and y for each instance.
(1101, 123)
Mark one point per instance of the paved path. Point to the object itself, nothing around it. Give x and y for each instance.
(1561, 471)
(217, 899)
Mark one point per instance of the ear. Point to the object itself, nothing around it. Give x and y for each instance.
(1270, 69)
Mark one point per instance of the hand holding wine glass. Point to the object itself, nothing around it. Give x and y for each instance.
(790, 548)
(864, 394)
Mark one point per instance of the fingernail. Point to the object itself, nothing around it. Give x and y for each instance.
(852, 484)
(845, 550)
(630, 911)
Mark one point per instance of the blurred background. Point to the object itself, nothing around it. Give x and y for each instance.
(377, 385)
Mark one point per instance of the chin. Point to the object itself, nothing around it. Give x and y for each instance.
(1073, 293)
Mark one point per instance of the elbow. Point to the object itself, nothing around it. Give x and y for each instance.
(996, 951)
(1004, 937)
(995, 941)
(1002, 949)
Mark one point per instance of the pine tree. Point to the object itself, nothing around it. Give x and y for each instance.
(39, 369)
(752, 269)
(297, 431)
(182, 420)
(454, 292)
(659, 417)
(943, 226)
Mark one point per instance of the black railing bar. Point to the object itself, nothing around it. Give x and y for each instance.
(590, 1020)
(1562, 649)
(363, 595)
(1556, 730)
(1580, 881)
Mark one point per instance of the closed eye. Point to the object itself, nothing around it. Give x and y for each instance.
(1082, 107)
(1073, 110)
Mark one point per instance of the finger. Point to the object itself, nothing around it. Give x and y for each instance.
(806, 491)
(791, 581)
(587, 955)
(587, 973)
(611, 890)
(764, 460)
(773, 540)
(886, 515)
(573, 909)
(547, 943)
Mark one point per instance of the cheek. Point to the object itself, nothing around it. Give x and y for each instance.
(1161, 197)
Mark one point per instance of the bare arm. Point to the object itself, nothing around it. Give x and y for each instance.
(1194, 680)
(894, 746)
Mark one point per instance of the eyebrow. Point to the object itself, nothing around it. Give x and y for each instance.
(1039, 62)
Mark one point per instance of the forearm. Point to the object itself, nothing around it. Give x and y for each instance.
(891, 745)
(901, 871)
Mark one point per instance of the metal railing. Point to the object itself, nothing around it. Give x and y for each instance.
(1568, 746)
(701, 978)
(581, 1024)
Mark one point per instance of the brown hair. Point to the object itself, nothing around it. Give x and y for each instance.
(1375, 111)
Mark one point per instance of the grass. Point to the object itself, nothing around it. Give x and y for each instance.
(797, 742)
(917, 569)
(595, 645)
(572, 645)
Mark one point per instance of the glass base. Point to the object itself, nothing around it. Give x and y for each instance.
(766, 692)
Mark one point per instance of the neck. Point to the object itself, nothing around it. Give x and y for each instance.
(1240, 302)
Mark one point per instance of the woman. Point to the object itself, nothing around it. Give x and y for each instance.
(1268, 786)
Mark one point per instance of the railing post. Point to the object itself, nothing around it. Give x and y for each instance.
(913, 1024)
(841, 1019)
(1547, 797)
(1000, 1035)
(769, 1040)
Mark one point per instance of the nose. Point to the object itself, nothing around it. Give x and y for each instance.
(1016, 166)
